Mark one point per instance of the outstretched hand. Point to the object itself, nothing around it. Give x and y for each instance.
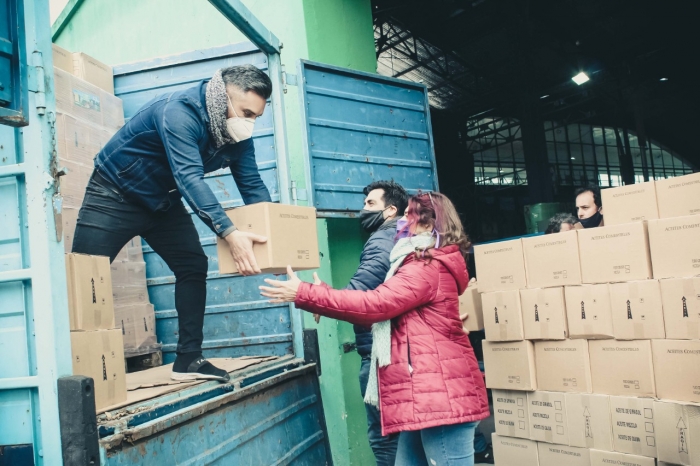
(282, 291)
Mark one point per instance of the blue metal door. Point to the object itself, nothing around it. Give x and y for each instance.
(237, 322)
(360, 128)
(34, 328)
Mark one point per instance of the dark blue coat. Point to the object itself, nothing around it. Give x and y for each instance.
(374, 265)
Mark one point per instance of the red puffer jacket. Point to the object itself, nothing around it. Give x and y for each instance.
(433, 378)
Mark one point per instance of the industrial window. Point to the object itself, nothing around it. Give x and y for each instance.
(578, 154)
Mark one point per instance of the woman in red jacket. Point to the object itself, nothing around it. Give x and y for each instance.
(428, 381)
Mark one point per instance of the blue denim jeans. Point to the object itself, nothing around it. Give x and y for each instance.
(384, 448)
(451, 445)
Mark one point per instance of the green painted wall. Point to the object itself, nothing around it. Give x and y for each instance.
(337, 32)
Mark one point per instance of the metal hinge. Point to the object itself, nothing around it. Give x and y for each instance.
(36, 82)
(288, 79)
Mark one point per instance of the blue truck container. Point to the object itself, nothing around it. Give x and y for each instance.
(357, 127)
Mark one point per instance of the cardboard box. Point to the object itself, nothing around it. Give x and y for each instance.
(636, 310)
(677, 432)
(617, 253)
(291, 234)
(69, 216)
(62, 58)
(588, 418)
(675, 246)
(100, 354)
(558, 455)
(503, 319)
(511, 451)
(680, 299)
(678, 196)
(93, 71)
(588, 313)
(470, 310)
(630, 203)
(548, 421)
(552, 260)
(563, 366)
(633, 425)
(90, 304)
(606, 458)
(544, 313)
(622, 367)
(138, 325)
(501, 266)
(510, 366)
(510, 413)
(677, 369)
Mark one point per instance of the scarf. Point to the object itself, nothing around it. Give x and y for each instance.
(381, 331)
(217, 109)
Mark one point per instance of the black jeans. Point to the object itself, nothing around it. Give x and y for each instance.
(383, 447)
(106, 222)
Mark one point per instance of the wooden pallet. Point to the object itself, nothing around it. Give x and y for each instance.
(142, 358)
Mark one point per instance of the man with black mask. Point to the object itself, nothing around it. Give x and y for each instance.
(385, 203)
(589, 207)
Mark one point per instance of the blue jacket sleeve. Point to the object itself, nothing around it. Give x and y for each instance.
(374, 263)
(181, 130)
(245, 173)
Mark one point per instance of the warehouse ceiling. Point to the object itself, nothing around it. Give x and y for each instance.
(485, 57)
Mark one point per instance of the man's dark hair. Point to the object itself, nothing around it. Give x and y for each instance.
(595, 190)
(557, 220)
(248, 78)
(394, 194)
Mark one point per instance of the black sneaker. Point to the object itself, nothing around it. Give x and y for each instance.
(199, 369)
(485, 457)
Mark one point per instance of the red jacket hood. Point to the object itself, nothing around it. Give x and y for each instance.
(451, 257)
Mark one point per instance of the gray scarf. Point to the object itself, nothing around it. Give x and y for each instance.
(217, 108)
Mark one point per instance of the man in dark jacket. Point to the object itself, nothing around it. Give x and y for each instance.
(385, 203)
(161, 156)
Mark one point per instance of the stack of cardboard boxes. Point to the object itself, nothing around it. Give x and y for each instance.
(592, 349)
(88, 116)
(96, 344)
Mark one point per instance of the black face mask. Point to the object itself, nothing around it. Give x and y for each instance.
(371, 220)
(593, 221)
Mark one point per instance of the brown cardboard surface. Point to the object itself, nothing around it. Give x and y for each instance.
(291, 237)
(617, 253)
(563, 366)
(677, 369)
(622, 367)
(675, 246)
(678, 196)
(588, 313)
(509, 451)
(588, 418)
(503, 320)
(138, 325)
(99, 354)
(90, 303)
(548, 421)
(606, 458)
(510, 413)
(677, 432)
(510, 365)
(544, 313)
(681, 307)
(70, 219)
(552, 260)
(470, 306)
(62, 58)
(633, 425)
(636, 310)
(630, 203)
(93, 71)
(558, 455)
(501, 266)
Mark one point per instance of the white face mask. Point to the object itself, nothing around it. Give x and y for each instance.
(239, 128)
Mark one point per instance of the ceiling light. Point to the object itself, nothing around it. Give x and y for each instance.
(663, 79)
(544, 96)
(580, 78)
(573, 158)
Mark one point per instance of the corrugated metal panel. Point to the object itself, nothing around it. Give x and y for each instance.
(237, 321)
(361, 128)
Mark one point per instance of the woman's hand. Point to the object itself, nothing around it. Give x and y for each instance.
(282, 291)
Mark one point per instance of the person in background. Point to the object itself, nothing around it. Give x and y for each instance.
(424, 375)
(385, 201)
(560, 222)
(589, 207)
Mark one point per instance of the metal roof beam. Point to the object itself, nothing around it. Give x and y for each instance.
(241, 17)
